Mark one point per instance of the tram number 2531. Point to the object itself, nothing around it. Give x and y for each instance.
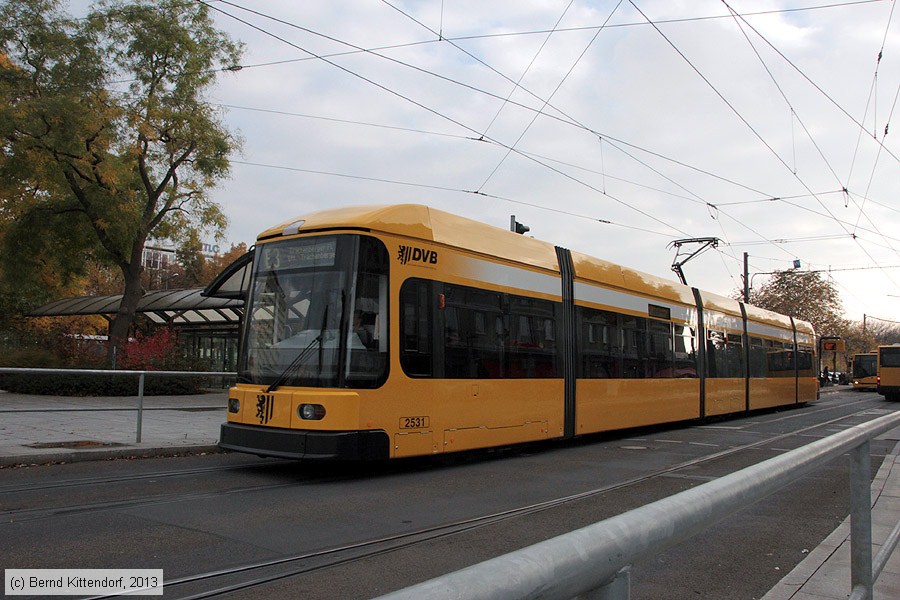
(413, 422)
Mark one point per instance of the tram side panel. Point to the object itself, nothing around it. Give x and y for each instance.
(491, 330)
(610, 404)
(773, 372)
(807, 370)
(637, 357)
(725, 384)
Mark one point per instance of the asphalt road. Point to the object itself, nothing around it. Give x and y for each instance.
(357, 532)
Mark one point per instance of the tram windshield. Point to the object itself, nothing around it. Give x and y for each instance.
(865, 365)
(316, 315)
(890, 356)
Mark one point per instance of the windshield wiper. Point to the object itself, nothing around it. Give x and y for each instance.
(303, 356)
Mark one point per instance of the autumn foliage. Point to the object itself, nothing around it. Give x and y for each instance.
(158, 351)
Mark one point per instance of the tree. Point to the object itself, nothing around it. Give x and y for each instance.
(883, 332)
(805, 295)
(190, 258)
(106, 133)
(197, 270)
(858, 340)
(216, 264)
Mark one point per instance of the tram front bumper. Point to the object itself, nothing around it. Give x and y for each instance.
(305, 445)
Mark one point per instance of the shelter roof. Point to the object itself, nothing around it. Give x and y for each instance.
(176, 307)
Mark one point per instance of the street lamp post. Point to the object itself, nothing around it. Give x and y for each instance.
(746, 279)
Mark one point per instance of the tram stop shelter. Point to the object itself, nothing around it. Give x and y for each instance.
(207, 319)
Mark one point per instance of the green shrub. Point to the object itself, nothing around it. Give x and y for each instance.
(31, 358)
(77, 384)
(158, 352)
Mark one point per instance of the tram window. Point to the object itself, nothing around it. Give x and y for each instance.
(685, 351)
(599, 344)
(455, 346)
(532, 338)
(805, 361)
(759, 366)
(473, 348)
(726, 354)
(491, 335)
(615, 346)
(367, 348)
(715, 349)
(660, 355)
(635, 357)
(550, 330)
(416, 328)
(889, 357)
(523, 334)
(734, 355)
(480, 329)
(481, 298)
(781, 360)
(451, 326)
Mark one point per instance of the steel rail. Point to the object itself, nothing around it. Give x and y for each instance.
(131, 477)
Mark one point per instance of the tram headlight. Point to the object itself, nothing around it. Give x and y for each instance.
(234, 405)
(311, 412)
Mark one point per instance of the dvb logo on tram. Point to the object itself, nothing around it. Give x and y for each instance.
(412, 254)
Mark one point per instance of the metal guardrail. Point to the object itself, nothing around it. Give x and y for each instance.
(141, 375)
(595, 561)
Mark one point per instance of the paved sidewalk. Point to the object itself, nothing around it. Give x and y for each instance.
(44, 429)
(825, 573)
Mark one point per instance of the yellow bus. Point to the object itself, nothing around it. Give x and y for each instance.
(388, 331)
(889, 372)
(865, 371)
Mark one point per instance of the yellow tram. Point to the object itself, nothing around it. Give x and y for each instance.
(388, 331)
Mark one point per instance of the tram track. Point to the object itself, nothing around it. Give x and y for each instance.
(266, 463)
(26, 515)
(23, 515)
(253, 575)
(817, 407)
(154, 475)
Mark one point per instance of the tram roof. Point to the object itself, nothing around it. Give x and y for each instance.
(177, 307)
(430, 224)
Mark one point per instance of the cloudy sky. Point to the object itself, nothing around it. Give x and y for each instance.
(612, 128)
